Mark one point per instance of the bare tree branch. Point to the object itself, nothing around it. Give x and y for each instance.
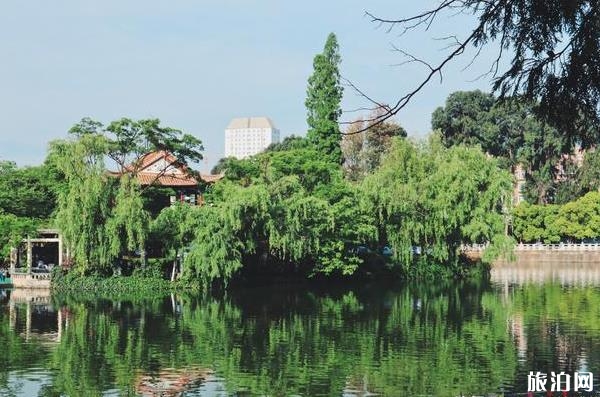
(417, 20)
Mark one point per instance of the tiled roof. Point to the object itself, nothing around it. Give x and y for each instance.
(149, 178)
(177, 177)
(150, 158)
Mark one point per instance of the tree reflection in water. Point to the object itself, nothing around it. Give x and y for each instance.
(427, 339)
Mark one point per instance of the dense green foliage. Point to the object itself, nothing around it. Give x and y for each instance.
(295, 209)
(138, 285)
(289, 142)
(579, 180)
(103, 218)
(574, 221)
(298, 210)
(476, 118)
(28, 192)
(85, 206)
(589, 173)
(323, 98)
(127, 141)
(437, 198)
(28, 199)
(243, 171)
(532, 223)
(510, 131)
(13, 230)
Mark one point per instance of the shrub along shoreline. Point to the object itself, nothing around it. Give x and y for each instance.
(140, 286)
(116, 285)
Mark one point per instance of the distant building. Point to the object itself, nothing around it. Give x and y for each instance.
(563, 172)
(247, 136)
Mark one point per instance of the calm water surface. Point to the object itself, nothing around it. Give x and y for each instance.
(425, 339)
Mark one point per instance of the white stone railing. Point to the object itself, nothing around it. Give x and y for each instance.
(538, 247)
(32, 276)
(473, 247)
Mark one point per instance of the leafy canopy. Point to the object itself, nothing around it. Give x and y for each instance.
(30, 191)
(510, 131)
(103, 217)
(436, 198)
(574, 221)
(302, 213)
(127, 141)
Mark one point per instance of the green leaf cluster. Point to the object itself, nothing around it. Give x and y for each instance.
(437, 198)
(573, 221)
(13, 229)
(85, 205)
(30, 191)
(289, 214)
(104, 217)
(127, 141)
(299, 210)
(28, 199)
(510, 131)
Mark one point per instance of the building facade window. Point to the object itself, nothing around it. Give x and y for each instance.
(248, 136)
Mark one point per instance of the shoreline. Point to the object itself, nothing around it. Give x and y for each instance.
(564, 266)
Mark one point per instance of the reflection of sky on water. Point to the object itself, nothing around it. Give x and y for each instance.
(31, 382)
(211, 387)
(27, 382)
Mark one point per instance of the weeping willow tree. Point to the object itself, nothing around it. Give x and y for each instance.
(298, 220)
(321, 229)
(423, 195)
(436, 198)
(84, 205)
(100, 217)
(311, 232)
(226, 233)
(128, 226)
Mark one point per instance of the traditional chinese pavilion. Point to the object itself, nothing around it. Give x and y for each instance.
(162, 169)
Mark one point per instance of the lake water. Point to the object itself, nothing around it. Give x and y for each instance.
(419, 339)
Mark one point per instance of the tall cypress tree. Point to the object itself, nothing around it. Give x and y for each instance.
(323, 97)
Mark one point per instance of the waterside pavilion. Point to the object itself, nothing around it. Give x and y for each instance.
(32, 261)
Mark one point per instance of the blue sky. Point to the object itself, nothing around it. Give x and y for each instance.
(197, 64)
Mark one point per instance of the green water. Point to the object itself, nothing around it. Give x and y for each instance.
(420, 339)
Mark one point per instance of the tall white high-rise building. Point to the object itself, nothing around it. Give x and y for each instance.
(246, 136)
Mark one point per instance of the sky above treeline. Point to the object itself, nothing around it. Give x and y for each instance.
(197, 64)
